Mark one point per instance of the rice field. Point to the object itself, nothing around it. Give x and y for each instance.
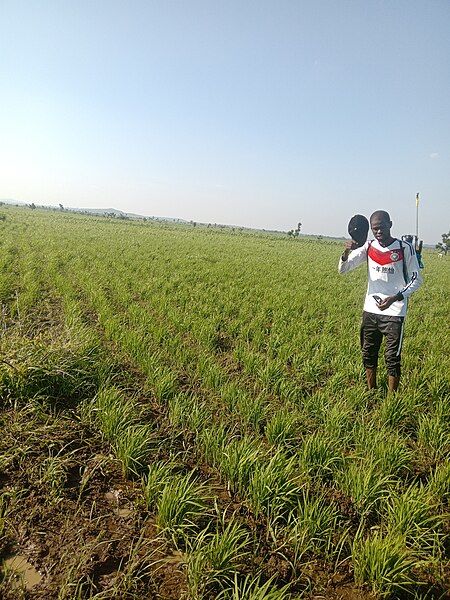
(184, 416)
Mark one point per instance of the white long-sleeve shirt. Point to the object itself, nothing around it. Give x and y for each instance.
(391, 269)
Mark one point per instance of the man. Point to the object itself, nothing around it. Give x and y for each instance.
(394, 275)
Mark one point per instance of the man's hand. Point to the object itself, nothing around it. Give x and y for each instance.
(348, 247)
(386, 303)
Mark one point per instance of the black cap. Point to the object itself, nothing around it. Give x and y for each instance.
(358, 228)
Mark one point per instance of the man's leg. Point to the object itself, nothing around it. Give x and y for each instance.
(393, 330)
(371, 339)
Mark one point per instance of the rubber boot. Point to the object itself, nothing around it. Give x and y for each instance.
(393, 383)
(371, 375)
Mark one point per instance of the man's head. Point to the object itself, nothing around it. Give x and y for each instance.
(380, 223)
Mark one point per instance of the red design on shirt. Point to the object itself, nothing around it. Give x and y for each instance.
(385, 258)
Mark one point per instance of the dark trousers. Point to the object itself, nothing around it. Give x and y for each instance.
(373, 328)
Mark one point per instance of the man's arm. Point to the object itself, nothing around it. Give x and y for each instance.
(352, 257)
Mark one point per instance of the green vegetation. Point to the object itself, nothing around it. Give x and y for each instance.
(187, 407)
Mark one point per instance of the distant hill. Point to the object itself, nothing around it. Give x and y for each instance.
(95, 211)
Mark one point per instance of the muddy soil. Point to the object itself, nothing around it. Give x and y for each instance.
(73, 526)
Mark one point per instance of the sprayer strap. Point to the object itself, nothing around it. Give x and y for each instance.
(405, 273)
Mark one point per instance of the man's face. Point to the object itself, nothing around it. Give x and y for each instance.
(381, 229)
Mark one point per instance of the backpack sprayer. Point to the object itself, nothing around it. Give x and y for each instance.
(414, 239)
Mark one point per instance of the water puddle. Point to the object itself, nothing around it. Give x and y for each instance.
(20, 565)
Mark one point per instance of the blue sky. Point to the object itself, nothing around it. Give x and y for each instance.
(256, 113)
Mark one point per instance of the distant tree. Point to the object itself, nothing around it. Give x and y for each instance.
(295, 232)
(444, 246)
(32, 206)
(61, 207)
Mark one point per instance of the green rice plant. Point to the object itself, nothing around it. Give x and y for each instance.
(179, 406)
(89, 471)
(214, 378)
(311, 526)
(434, 436)
(155, 480)
(181, 505)
(362, 482)
(132, 446)
(271, 376)
(314, 406)
(215, 558)
(252, 588)
(398, 411)
(358, 399)
(274, 488)
(383, 563)
(164, 384)
(442, 407)
(287, 391)
(239, 459)
(338, 421)
(212, 442)
(319, 456)
(391, 452)
(246, 358)
(282, 428)
(53, 476)
(187, 412)
(111, 411)
(438, 484)
(161, 381)
(199, 416)
(14, 455)
(252, 409)
(58, 369)
(5, 509)
(230, 394)
(413, 515)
